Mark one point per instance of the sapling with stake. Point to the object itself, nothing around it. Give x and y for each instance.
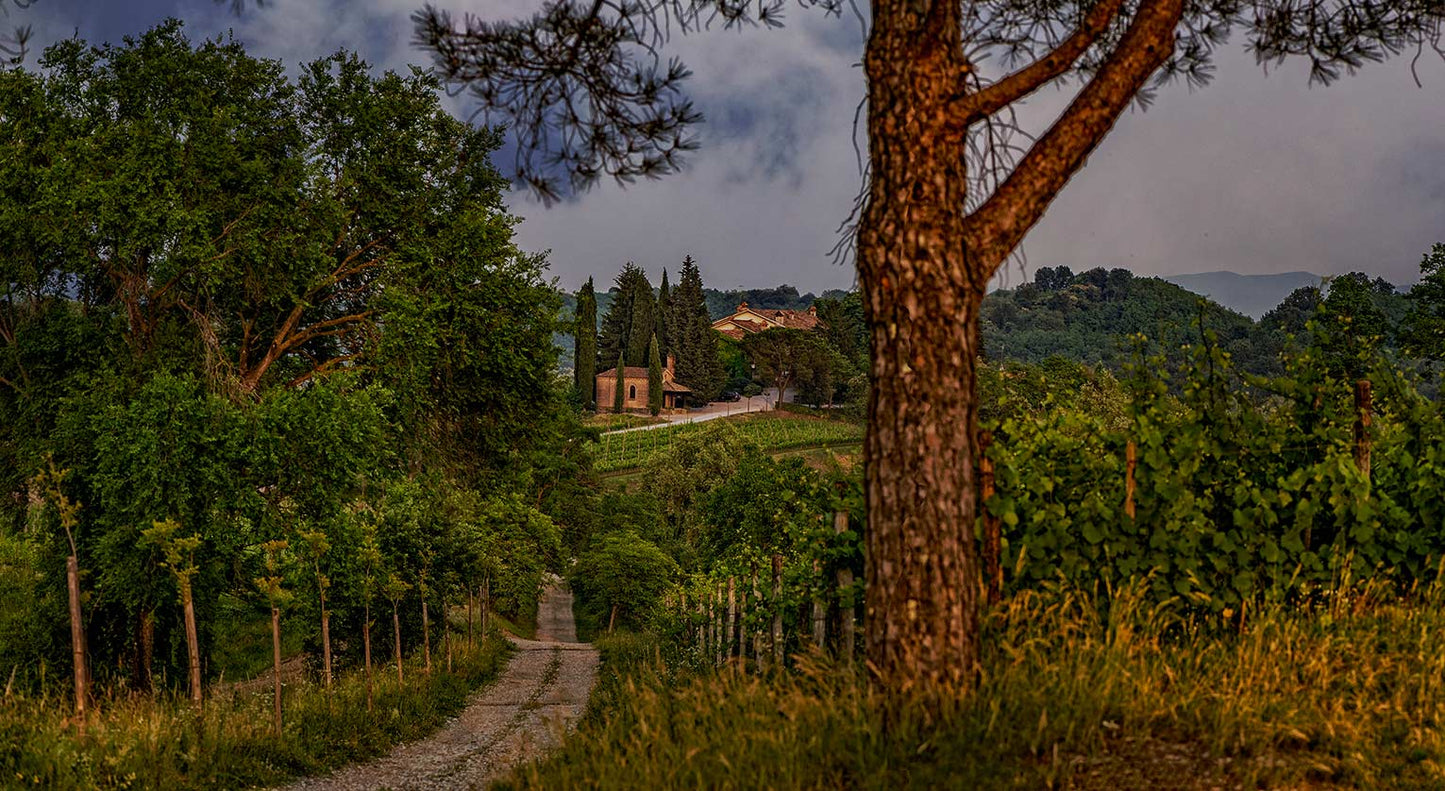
(276, 595)
(179, 558)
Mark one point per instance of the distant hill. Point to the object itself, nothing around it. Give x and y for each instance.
(1252, 295)
(1090, 317)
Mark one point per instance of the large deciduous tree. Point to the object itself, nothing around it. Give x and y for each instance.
(950, 196)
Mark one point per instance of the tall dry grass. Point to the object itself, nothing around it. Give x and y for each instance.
(1077, 691)
(136, 741)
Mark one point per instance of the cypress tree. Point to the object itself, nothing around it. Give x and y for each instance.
(654, 378)
(663, 314)
(584, 364)
(621, 382)
(643, 324)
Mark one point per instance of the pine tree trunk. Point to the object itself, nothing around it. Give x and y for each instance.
(922, 295)
(366, 648)
(77, 640)
(276, 668)
(193, 643)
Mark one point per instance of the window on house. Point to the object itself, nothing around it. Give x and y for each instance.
(632, 393)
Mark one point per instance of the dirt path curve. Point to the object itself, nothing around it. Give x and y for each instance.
(517, 717)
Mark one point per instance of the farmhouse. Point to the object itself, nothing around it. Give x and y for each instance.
(747, 321)
(634, 384)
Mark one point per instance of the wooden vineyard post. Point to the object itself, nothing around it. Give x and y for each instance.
(447, 633)
(992, 530)
(720, 650)
(1363, 403)
(700, 620)
(732, 617)
(742, 626)
(846, 626)
(470, 598)
(777, 636)
(1131, 461)
(820, 612)
(758, 655)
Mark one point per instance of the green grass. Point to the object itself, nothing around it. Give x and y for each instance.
(246, 651)
(770, 431)
(144, 742)
(1351, 695)
(611, 421)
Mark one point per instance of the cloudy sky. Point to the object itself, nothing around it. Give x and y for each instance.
(1256, 173)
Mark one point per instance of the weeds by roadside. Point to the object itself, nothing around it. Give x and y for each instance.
(1074, 695)
(143, 742)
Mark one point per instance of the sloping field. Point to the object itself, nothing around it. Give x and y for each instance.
(770, 431)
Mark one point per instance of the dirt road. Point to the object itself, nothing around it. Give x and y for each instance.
(516, 718)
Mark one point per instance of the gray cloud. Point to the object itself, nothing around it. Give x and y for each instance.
(1254, 173)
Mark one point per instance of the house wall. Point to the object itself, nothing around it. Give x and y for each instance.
(607, 381)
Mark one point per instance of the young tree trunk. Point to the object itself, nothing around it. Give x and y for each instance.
(447, 634)
(366, 648)
(425, 638)
(145, 676)
(325, 640)
(396, 632)
(778, 610)
(276, 668)
(77, 640)
(193, 643)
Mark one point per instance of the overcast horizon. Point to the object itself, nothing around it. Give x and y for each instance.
(1253, 174)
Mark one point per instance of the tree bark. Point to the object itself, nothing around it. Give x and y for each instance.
(923, 265)
(77, 640)
(193, 643)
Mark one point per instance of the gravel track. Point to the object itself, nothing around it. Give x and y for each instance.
(516, 718)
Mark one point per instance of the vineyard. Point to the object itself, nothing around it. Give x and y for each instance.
(630, 449)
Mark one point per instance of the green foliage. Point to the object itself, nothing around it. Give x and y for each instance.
(1090, 317)
(1423, 331)
(271, 309)
(621, 573)
(692, 336)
